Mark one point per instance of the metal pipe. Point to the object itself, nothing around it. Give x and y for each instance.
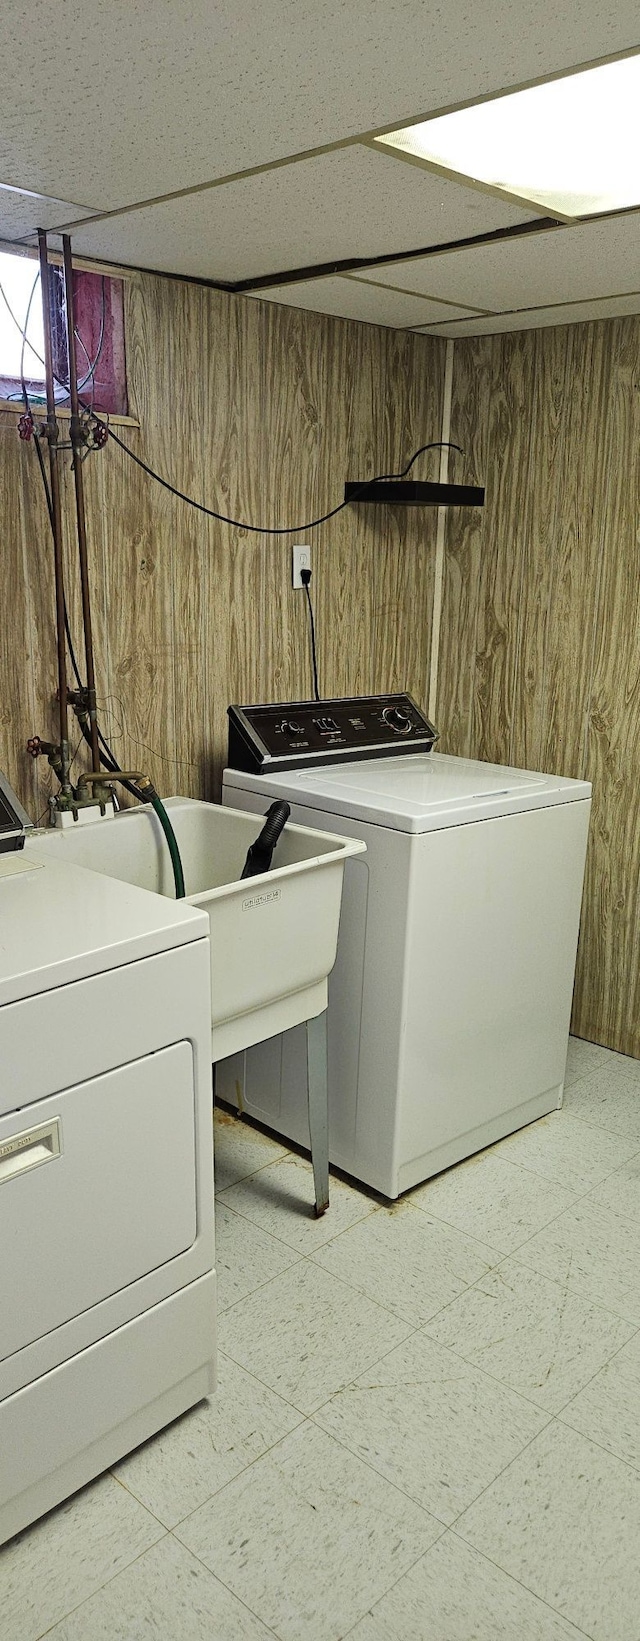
(91, 777)
(56, 516)
(81, 520)
(142, 784)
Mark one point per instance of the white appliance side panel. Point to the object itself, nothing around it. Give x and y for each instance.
(81, 1031)
(274, 1085)
(494, 920)
(55, 1039)
(365, 1005)
(261, 942)
(116, 1201)
(71, 1424)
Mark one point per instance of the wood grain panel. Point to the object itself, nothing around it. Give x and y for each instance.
(312, 400)
(509, 501)
(576, 497)
(465, 571)
(261, 412)
(540, 642)
(608, 990)
(17, 640)
(137, 534)
(179, 394)
(490, 548)
(547, 477)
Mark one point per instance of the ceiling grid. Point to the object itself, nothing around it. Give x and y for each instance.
(232, 154)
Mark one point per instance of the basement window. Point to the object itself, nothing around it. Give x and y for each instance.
(99, 315)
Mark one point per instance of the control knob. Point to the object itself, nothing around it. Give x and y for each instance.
(287, 726)
(397, 720)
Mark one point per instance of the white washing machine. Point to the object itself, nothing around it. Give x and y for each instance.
(107, 1287)
(450, 1002)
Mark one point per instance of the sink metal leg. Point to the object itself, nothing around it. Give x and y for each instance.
(318, 1108)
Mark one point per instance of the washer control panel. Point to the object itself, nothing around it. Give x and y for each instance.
(298, 733)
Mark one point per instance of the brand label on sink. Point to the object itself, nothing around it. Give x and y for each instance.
(261, 900)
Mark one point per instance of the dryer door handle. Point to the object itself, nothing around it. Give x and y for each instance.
(28, 1149)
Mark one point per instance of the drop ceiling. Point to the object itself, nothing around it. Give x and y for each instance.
(590, 259)
(357, 299)
(234, 145)
(335, 206)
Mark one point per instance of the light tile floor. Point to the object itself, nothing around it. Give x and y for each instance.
(427, 1426)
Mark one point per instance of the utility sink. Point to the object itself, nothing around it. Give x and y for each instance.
(273, 937)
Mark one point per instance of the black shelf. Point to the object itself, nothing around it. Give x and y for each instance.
(416, 493)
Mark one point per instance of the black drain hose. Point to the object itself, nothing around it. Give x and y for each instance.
(260, 854)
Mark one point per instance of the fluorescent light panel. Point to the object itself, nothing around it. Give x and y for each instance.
(571, 146)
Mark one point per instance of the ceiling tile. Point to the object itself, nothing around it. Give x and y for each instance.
(586, 260)
(21, 214)
(439, 310)
(350, 203)
(117, 103)
(569, 313)
(350, 299)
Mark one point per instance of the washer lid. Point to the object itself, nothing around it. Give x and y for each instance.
(419, 793)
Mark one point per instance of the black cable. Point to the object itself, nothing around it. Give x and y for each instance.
(240, 524)
(109, 755)
(109, 758)
(49, 502)
(149, 795)
(280, 529)
(67, 625)
(47, 491)
(113, 764)
(43, 474)
(305, 577)
(72, 652)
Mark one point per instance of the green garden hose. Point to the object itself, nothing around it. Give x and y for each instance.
(172, 842)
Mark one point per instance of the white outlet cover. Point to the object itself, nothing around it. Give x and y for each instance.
(300, 560)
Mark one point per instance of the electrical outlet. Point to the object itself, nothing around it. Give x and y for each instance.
(301, 560)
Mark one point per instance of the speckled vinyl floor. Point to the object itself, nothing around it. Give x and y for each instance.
(428, 1420)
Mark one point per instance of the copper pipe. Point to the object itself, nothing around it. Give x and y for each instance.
(56, 518)
(81, 520)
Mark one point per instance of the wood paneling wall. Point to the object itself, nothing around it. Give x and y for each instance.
(540, 637)
(262, 412)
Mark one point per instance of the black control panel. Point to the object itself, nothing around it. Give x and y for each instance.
(294, 734)
(13, 819)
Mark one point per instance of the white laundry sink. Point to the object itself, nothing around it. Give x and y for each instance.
(273, 937)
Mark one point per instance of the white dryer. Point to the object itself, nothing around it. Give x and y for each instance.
(107, 1288)
(450, 1002)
